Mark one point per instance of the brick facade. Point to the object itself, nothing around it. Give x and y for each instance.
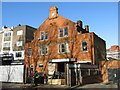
(106, 65)
(77, 34)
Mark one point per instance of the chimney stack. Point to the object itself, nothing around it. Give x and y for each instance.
(87, 28)
(79, 23)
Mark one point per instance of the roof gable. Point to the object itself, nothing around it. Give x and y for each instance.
(59, 21)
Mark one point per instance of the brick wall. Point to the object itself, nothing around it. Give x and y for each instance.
(105, 65)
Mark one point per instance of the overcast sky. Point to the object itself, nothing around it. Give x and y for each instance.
(102, 17)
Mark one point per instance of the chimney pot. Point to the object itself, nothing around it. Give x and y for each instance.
(79, 23)
(87, 28)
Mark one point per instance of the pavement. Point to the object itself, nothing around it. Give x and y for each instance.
(95, 86)
(7, 86)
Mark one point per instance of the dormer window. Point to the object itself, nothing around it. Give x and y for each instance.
(63, 32)
(44, 35)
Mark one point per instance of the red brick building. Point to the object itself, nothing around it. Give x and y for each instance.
(61, 45)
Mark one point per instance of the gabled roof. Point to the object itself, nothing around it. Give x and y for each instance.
(60, 20)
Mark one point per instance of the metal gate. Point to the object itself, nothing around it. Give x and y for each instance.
(113, 75)
(12, 73)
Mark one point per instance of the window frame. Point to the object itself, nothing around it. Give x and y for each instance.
(46, 34)
(18, 52)
(44, 51)
(43, 35)
(66, 48)
(82, 46)
(63, 32)
(20, 32)
(29, 52)
(21, 43)
(7, 34)
(5, 45)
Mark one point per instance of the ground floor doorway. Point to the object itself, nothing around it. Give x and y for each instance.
(61, 67)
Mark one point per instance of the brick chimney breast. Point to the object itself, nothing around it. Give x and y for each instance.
(53, 11)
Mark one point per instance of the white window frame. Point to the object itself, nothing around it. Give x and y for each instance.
(66, 48)
(60, 29)
(43, 34)
(46, 34)
(7, 43)
(20, 32)
(63, 32)
(19, 43)
(7, 34)
(45, 51)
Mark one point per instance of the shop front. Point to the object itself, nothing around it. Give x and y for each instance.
(57, 71)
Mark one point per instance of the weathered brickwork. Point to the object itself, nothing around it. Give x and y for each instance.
(96, 47)
(105, 65)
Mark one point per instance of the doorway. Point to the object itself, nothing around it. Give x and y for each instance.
(61, 67)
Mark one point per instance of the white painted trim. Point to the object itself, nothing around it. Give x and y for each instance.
(84, 62)
(17, 58)
(62, 60)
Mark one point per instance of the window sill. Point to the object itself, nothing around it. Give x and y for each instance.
(63, 37)
(43, 40)
(84, 51)
(63, 53)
